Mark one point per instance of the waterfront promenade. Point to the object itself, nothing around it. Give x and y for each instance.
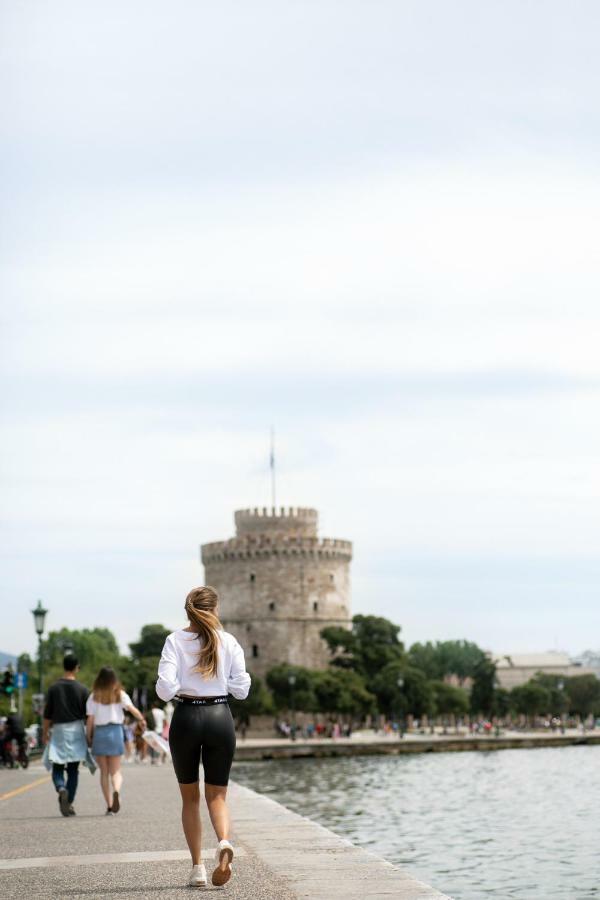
(141, 852)
(368, 743)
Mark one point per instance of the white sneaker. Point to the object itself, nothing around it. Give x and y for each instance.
(223, 858)
(198, 876)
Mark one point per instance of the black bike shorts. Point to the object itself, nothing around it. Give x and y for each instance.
(202, 733)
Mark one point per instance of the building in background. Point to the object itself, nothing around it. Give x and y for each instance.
(280, 584)
(590, 659)
(517, 668)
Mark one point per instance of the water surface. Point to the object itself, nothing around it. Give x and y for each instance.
(504, 824)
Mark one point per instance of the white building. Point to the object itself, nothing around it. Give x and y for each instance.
(517, 668)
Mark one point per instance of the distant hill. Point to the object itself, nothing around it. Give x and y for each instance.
(7, 659)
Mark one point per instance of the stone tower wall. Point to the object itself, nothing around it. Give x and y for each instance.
(279, 585)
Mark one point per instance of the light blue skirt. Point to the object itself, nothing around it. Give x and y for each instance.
(68, 744)
(108, 740)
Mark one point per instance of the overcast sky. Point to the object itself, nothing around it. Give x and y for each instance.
(372, 224)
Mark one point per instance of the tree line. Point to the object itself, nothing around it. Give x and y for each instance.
(370, 672)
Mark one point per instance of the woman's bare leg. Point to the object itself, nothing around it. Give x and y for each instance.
(217, 809)
(114, 769)
(190, 819)
(104, 778)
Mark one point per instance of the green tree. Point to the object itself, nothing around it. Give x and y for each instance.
(531, 699)
(444, 658)
(141, 669)
(342, 691)
(584, 695)
(415, 696)
(140, 673)
(259, 701)
(151, 642)
(449, 700)
(94, 648)
(426, 657)
(502, 702)
(558, 701)
(300, 695)
(483, 690)
(25, 663)
(370, 644)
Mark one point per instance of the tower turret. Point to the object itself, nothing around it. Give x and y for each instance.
(280, 585)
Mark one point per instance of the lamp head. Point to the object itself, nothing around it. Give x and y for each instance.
(39, 617)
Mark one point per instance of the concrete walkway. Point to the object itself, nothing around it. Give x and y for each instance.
(141, 852)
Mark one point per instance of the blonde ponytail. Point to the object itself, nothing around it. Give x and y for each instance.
(200, 606)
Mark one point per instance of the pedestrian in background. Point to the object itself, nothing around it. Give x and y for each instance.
(63, 733)
(105, 716)
(199, 666)
(141, 747)
(128, 738)
(159, 719)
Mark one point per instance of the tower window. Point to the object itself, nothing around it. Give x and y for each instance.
(331, 577)
(271, 606)
(254, 650)
(252, 576)
(315, 606)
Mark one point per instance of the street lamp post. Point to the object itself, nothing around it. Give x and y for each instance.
(561, 686)
(400, 683)
(39, 618)
(292, 682)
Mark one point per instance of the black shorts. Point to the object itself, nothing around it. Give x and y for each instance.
(202, 733)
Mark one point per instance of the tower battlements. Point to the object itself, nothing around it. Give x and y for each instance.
(269, 531)
(292, 520)
(250, 546)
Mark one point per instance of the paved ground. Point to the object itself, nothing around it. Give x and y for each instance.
(30, 826)
(141, 852)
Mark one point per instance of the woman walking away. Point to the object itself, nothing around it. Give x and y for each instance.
(105, 719)
(199, 666)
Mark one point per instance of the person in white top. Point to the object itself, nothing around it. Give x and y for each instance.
(105, 716)
(199, 666)
(158, 715)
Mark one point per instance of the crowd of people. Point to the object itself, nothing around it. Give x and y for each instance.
(330, 729)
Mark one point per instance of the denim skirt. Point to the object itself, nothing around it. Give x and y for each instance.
(108, 740)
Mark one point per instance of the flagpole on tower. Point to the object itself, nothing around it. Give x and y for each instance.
(272, 466)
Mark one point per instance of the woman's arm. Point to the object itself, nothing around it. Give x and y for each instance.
(128, 705)
(89, 729)
(135, 713)
(238, 682)
(168, 683)
(90, 708)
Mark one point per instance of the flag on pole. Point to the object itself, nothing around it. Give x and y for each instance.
(272, 467)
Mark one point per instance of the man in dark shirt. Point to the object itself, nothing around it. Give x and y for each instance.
(65, 715)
